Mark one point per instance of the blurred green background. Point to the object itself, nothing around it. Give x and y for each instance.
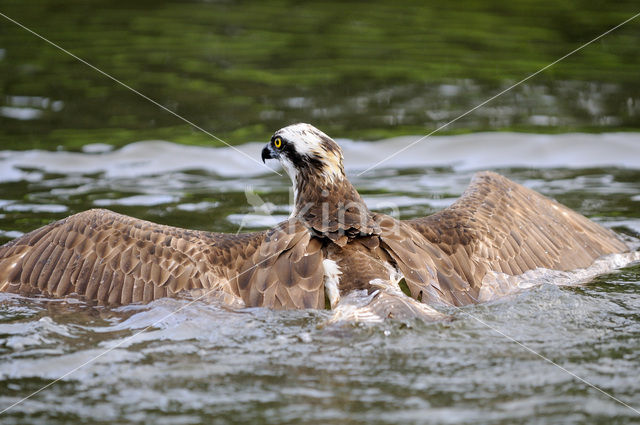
(356, 69)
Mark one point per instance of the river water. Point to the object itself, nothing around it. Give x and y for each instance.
(177, 362)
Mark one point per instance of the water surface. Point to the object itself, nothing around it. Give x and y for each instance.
(206, 364)
(358, 69)
(71, 139)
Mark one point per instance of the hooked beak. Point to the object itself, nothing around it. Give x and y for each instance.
(266, 153)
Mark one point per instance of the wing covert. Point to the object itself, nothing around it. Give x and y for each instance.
(286, 272)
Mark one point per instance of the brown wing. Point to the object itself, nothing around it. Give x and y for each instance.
(498, 225)
(115, 259)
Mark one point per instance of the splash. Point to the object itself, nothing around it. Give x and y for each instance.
(493, 283)
(386, 303)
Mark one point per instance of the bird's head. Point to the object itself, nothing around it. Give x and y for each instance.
(302, 149)
(324, 199)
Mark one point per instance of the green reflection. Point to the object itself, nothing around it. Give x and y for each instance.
(355, 69)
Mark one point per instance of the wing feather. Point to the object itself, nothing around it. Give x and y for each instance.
(498, 225)
(287, 273)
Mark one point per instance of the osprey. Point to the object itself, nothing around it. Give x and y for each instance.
(331, 246)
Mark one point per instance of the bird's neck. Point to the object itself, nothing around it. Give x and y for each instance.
(331, 207)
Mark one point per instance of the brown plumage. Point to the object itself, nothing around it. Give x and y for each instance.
(331, 245)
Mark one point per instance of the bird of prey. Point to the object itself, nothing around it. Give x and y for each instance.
(331, 246)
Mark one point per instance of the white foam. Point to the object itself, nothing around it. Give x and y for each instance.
(359, 306)
(462, 152)
(493, 281)
(382, 304)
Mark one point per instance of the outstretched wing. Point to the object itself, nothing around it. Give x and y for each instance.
(498, 225)
(115, 259)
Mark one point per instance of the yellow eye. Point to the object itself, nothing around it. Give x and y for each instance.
(277, 143)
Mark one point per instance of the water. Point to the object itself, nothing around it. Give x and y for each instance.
(206, 364)
(362, 70)
(71, 139)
